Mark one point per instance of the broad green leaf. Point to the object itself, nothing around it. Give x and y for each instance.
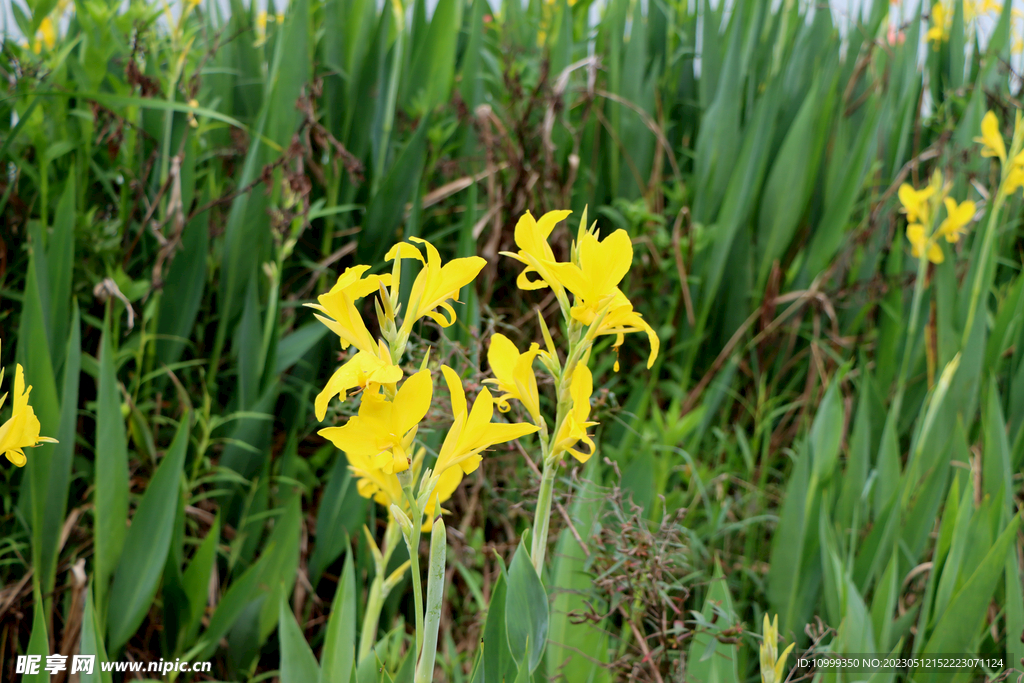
(147, 543)
(959, 625)
(91, 642)
(298, 665)
(526, 611)
(196, 580)
(339, 652)
(111, 494)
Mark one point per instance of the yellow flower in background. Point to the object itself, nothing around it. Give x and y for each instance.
(958, 217)
(340, 313)
(472, 431)
(915, 202)
(938, 31)
(574, 427)
(531, 237)
(921, 243)
(21, 431)
(261, 28)
(361, 371)
(435, 284)
(46, 35)
(383, 431)
(386, 490)
(772, 665)
(991, 139)
(513, 374)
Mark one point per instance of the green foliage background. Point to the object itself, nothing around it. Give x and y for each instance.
(178, 183)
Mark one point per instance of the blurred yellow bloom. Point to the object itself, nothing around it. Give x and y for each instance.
(772, 665)
(990, 6)
(435, 284)
(340, 313)
(938, 31)
(531, 237)
(574, 428)
(915, 202)
(513, 374)
(261, 28)
(991, 138)
(958, 217)
(386, 490)
(46, 35)
(383, 431)
(1014, 179)
(22, 429)
(362, 370)
(919, 243)
(472, 431)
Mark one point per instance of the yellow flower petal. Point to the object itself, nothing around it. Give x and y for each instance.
(21, 430)
(991, 139)
(513, 374)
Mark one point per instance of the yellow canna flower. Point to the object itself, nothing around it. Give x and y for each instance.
(513, 374)
(991, 138)
(772, 666)
(22, 429)
(958, 217)
(595, 280)
(383, 431)
(920, 243)
(594, 283)
(362, 370)
(938, 31)
(386, 490)
(472, 431)
(435, 284)
(341, 315)
(915, 202)
(534, 251)
(574, 428)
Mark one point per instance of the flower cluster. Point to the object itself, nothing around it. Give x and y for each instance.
(593, 275)
(378, 440)
(922, 206)
(21, 431)
(993, 146)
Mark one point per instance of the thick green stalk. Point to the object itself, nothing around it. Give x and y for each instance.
(413, 541)
(379, 590)
(542, 517)
(986, 249)
(915, 314)
(435, 593)
(374, 604)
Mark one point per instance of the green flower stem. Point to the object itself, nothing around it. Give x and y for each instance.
(413, 542)
(539, 542)
(542, 515)
(915, 314)
(986, 249)
(378, 591)
(435, 594)
(374, 604)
